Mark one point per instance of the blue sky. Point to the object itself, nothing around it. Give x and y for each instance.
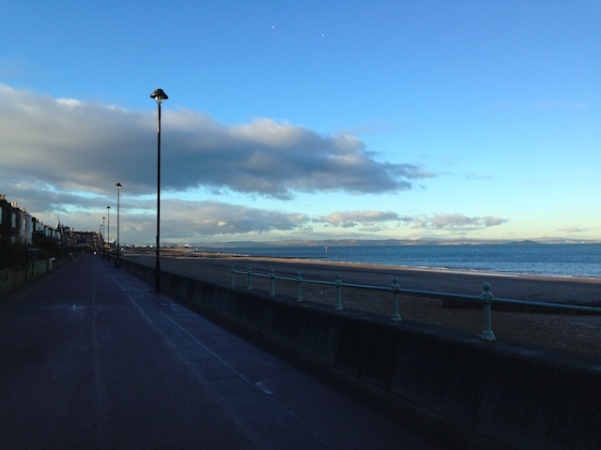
(306, 120)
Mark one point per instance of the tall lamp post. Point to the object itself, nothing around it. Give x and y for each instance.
(159, 96)
(108, 232)
(99, 244)
(118, 260)
(103, 233)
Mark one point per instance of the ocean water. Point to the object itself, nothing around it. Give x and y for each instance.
(567, 260)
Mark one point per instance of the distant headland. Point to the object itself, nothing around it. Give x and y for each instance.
(379, 243)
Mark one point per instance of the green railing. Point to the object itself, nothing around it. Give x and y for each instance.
(486, 297)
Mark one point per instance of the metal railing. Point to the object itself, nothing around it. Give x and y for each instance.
(486, 298)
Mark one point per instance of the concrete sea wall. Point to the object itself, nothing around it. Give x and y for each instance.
(527, 396)
(12, 278)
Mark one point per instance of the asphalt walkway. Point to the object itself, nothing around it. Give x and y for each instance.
(91, 357)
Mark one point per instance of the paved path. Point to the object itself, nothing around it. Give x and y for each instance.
(91, 357)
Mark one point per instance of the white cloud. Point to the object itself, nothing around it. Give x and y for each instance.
(457, 221)
(77, 145)
(576, 230)
(348, 219)
(62, 157)
(207, 219)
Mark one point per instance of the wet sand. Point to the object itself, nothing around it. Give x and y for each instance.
(575, 332)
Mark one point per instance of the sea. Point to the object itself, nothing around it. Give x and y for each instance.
(557, 260)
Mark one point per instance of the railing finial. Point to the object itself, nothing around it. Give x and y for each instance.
(338, 284)
(299, 281)
(487, 297)
(396, 288)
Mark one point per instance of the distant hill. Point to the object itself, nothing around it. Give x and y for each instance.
(525, 242)
(377, 242)
(345, 243)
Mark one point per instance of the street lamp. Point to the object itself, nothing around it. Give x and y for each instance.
(159, 96)
(103, 233)
(99, 240)
(118, 260)
(108, 232)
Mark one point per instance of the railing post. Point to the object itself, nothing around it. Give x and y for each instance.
(232, 272)
(396, 317)
(249, 284)
(272, 278)
(338, 284)
(299, 281)
(487, 297)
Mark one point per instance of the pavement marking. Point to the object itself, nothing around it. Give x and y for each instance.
(133, 293)
(263, 386)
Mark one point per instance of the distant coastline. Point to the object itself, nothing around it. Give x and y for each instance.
(380, 243)
(523, 258)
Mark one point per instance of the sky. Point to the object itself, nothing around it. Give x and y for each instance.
(286, 120)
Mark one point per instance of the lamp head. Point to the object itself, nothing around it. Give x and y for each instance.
(118, 185)
(159, 95)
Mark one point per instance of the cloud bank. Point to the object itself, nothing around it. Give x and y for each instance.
(76, 145)
(457, 221)
(62, 158)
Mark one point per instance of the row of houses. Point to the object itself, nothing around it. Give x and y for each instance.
(17, 226)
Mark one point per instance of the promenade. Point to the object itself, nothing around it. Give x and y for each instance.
(91, 357)
(574, 332)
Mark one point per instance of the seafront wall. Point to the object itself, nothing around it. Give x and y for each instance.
(527, 396)
(12, 278)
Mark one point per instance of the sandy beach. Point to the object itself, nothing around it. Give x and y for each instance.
(575, 332)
